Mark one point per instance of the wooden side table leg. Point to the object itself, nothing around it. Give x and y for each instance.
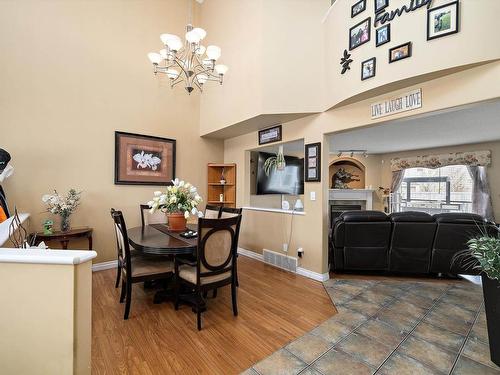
(90, 242)
(64, 245)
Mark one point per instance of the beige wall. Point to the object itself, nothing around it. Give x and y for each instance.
(470, 86)
(45, 318)
(72, 73)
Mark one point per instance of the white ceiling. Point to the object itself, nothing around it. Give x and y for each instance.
(472, 124)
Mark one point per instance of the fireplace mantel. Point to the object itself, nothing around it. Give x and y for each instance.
(365, 195)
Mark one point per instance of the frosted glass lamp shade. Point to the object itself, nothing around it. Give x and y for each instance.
(193, 37)
(154, 57)
(166, 37)
(213, 52)
(172, 73)
(202, 33)
(202, 78)
(163, 53)
(175, 44)
(207, 62)
(221, 69)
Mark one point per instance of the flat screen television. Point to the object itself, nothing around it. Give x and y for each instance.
(289, 181)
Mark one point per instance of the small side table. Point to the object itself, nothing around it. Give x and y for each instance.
(65, 237)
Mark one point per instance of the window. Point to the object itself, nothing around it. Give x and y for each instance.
(445, 189)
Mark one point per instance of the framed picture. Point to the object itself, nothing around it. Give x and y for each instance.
(400, 52)
(313, 162)
(143, 159)
(380, 4)
(368, 68)
(443, 20)
(357, 8)
(383, 35)
(270, 135)
(359, 34)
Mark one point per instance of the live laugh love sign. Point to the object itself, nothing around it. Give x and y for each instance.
(402, 103)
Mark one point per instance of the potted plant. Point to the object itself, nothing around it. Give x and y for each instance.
(63, 207)
(277, 162)
(486, 250)
(179, 201)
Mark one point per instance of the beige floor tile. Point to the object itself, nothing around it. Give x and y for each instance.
(461, 327)
(309, 347)
(349, 318)
(280, 363)
(250, 371)
(337, 296)
(388, 289)
(420, 301)
(466, 366)
(365, 349)
(428, 354)
(337, 363)
(363, 306)
(479, 352)
(480, 332)
(399, 364)
(439, 336)
(348, 287)
(376, 297)
(426, 290)
(331, 331)
(454, 312)
(461, 301)
(397, 320)
(310, 371)
(382, 332)
(408, 309)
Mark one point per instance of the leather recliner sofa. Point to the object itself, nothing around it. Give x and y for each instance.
(404, 242)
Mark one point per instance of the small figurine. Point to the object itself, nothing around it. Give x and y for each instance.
(48, 227)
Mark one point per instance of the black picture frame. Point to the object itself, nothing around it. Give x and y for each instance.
(455, 4)
(312, 162)
(270, 135)
(374, 59)
(392, 60)
(120, 157)
(369, 23)
(355, 12)
(382, 7)
(378, 43)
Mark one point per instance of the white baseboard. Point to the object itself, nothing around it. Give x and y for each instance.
(104, 265)
(300, 271)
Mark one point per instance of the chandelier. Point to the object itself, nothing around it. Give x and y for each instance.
(188, 62)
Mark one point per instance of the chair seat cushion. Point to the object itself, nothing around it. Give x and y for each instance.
(142, 266)
(188, 273)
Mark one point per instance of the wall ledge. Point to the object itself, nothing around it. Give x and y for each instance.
(37, 256)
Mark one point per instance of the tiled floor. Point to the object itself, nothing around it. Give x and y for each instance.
(392, 327)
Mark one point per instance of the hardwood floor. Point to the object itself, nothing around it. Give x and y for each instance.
(275, 307)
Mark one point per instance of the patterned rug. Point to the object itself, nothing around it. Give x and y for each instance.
(392, 327)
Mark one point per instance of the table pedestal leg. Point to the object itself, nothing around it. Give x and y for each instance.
(64, 245)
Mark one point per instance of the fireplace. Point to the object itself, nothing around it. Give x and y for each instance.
(337, 209)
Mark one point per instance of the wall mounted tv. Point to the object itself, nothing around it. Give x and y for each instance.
(289, 181)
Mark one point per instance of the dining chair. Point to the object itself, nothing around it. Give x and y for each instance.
(214, 265)
(212, 211)
(147, 217)
(135, 269)
(225, 213)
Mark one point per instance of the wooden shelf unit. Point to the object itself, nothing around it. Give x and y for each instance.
(215, 188)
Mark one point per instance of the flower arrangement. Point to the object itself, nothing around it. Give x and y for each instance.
(181, 197)
(62, 206)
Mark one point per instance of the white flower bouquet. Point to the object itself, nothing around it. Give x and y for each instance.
(63, 206)
(181, 197)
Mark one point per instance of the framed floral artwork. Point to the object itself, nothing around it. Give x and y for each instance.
(144, 159)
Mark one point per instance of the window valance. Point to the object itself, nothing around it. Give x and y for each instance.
(473, 159)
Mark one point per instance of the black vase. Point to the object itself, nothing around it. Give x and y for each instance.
(491, 291)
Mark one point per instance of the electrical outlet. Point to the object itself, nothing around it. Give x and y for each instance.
(285, 247)
(300, 252)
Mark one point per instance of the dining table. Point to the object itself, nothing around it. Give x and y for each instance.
(156, 240)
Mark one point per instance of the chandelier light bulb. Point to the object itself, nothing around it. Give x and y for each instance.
(213, 52)
(202, 33)
(163, 53)
(202, 78)
(172, 73)
(154, 57)
(166, 37)
(221, 69)
(175, 44)
(193, 37)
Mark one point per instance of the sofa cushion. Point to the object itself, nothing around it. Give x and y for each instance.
(364, 216)
(411, 217)
(458, 218)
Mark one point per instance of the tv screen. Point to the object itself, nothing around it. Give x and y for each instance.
(289, 181)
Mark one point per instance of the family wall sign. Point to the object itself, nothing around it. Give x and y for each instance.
(386, 16)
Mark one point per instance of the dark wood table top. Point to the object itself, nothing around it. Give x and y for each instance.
(72, 233)
(151, 240)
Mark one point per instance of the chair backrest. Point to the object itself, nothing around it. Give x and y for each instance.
(212, 211)
(230, 212)
(217, 240)
(121, 239)
(151, 218)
